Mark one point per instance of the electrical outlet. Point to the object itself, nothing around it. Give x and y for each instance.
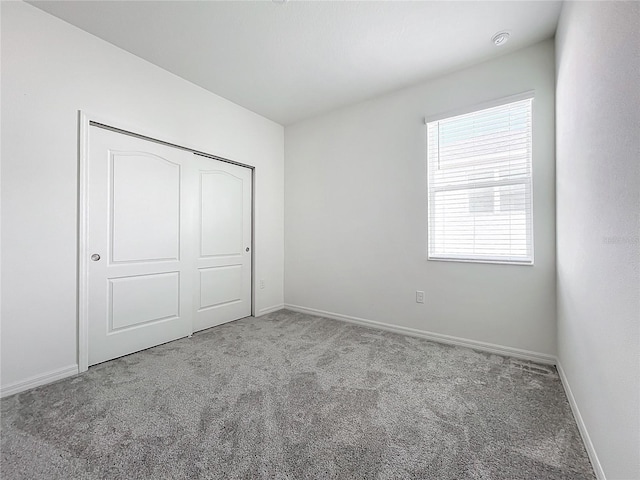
(419, 296)
(261, 284)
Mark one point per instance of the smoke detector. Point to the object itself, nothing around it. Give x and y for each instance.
(500, 38)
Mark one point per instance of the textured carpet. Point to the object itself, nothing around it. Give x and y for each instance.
(295, 396)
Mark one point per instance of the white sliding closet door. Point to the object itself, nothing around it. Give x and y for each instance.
(223, 259)
(167, 233)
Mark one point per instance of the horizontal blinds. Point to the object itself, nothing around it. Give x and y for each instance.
(479, 182)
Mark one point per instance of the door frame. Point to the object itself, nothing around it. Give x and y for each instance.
(85, 121)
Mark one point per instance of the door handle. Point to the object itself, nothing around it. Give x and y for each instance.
(95, 257)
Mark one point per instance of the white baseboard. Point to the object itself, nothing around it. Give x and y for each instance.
(586, 439)
(435, 337)
(273, 308)
(38, 380)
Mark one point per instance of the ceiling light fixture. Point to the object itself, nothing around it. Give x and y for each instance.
(500, 38)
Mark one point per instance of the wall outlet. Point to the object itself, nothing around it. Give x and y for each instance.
(261, 284)
(419, 296)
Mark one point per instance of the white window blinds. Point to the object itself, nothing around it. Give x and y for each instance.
(479, 185)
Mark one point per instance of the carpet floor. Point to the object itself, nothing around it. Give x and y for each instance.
(294, 396)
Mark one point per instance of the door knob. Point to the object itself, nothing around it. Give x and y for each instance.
(95, 257)
(247, 249)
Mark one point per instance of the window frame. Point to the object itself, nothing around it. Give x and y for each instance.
(528, 184)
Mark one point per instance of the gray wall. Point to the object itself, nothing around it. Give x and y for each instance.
(50, 70)
(598, 212)
(355, 214)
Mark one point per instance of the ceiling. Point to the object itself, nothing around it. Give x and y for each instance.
(289, 60)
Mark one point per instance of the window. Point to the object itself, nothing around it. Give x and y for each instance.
(479, 185)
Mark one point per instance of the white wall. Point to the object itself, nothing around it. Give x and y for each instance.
(598, 185)
(355, 214)
(50, 70)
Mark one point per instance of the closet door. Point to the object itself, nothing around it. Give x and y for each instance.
(140, 280)
(169, 241)
(223, 243)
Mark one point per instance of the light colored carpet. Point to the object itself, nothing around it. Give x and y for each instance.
(295, 396)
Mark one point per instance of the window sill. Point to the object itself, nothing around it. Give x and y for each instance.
(470, 260)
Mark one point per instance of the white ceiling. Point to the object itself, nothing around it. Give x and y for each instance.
(291, 60)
